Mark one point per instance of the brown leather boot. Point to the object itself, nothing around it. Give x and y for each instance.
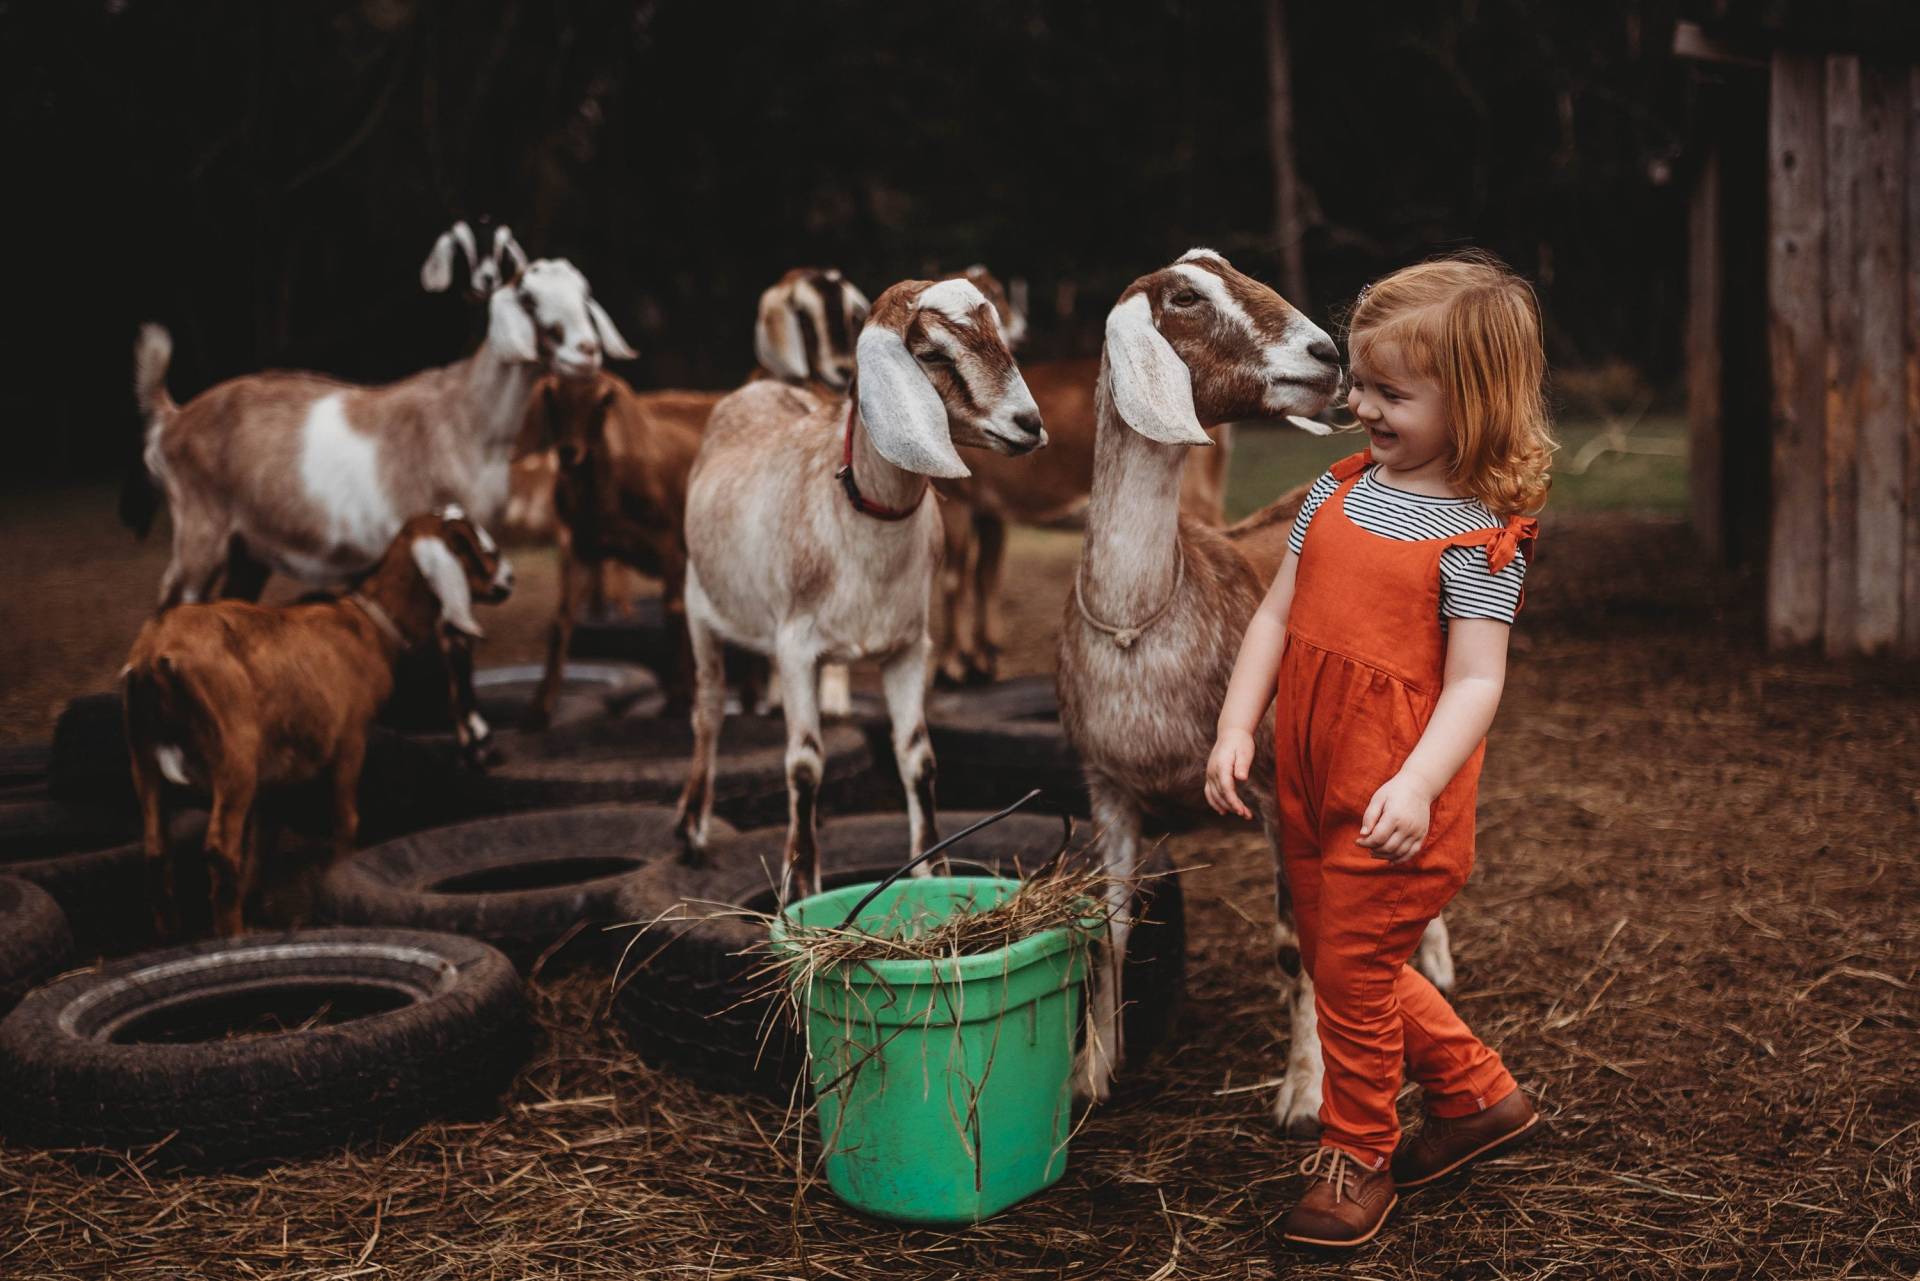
(1344, 1206)
(1445, 1143)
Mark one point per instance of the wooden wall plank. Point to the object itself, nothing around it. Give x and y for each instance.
(1910, 605)
(1795, 341)
(1881, 396)
(1841, 175)
(1705, 483)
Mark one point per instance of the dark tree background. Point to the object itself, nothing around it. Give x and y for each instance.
(265, 176)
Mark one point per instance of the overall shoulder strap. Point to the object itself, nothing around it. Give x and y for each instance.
(1351, 466)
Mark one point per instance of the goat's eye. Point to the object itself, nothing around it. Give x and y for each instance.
(552, 332)
(934, 356)
(1186, 298)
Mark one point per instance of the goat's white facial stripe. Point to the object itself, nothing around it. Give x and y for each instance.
(1197, 253)
(954, 299)
(340, 471)
(1219, 295)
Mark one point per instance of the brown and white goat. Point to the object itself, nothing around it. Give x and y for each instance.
(805, 328)
(620, 495)
(1161, 600)
(233, 697)
(811, 538)
(1049, 491)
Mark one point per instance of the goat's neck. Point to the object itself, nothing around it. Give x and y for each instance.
(880, 481)
(497, 389)
(397, 589)
(1133, 517)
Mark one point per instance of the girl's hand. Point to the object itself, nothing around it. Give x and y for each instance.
(1395, 824)
(1232, 757)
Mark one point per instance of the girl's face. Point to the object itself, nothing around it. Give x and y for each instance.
(1404, 414)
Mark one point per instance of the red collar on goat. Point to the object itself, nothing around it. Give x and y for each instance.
(861, 503)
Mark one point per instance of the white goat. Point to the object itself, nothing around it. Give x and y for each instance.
(1161, 601)
(810, 536)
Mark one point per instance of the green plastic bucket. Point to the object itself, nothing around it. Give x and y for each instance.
(941, 1087)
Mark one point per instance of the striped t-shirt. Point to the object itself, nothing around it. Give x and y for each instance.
(1467, 589)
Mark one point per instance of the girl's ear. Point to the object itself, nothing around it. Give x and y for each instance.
(1152, 388)
(447, 579)
(904, 415)
(776, 338)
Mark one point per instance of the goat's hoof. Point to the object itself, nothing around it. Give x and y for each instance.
(1092, 1076)
(1296, 1109)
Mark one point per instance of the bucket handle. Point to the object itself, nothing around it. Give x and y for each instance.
(937, 847)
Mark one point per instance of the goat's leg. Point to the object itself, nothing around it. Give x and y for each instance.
(836, 690)
(470, 728)
(228, 870)
(1434, 955)
(1117, 823)
(346, 796)
(905, 679)
(799, 668)
(673, 608)
(559, 633)
(709, 709)
(151, 789)
(956, 521)
(983, 661)
(1296, 1108)
(199, 556)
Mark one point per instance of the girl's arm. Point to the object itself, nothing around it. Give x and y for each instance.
(1395, 824)
(1249, 693)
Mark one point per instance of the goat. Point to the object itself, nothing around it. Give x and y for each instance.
(620, 495)
(310, 476)
(809, 536)
(503, 260)
(232, 696)
(806, 326)
(1161, 600)
(1049, 491)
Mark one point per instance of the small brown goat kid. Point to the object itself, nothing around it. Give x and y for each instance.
(233, 697)
(620, 494)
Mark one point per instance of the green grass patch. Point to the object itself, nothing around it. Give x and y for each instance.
(1268, 461)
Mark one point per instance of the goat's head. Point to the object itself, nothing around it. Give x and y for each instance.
(1197, 344)
(807, 325)
(1013, 317)
(934, 371)
(491, 254)
(547, 314)
(572, 414)
(459, 562)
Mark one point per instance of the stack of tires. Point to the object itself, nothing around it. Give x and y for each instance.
(402, 998)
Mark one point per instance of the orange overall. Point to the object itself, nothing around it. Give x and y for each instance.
(1362, 670)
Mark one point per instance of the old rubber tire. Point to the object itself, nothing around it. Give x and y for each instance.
(503, 695)
(23, 770)
(692, 993)
(992, 744)
(126, 1055)
(644, 758)
(526, 883)
(35, 943)
(641, 636)
(89, 862)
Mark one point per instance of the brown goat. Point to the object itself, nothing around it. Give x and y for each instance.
(232, 696)
(620, 495)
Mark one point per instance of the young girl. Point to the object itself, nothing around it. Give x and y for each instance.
(1385, 633)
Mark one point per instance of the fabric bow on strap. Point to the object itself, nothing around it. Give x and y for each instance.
(1516, 536)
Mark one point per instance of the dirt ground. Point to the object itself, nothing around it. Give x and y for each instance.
(1692, 934)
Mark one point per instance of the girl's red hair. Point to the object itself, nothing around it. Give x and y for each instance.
(1473, 326)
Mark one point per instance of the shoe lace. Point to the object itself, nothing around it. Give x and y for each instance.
(1334, 1166)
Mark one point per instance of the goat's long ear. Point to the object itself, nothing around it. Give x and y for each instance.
(509, 328)
(538, 428)
(904, 414)
(1152, 388)
(447, 579)
(776, 338)
(436, 273)
(610, 340)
